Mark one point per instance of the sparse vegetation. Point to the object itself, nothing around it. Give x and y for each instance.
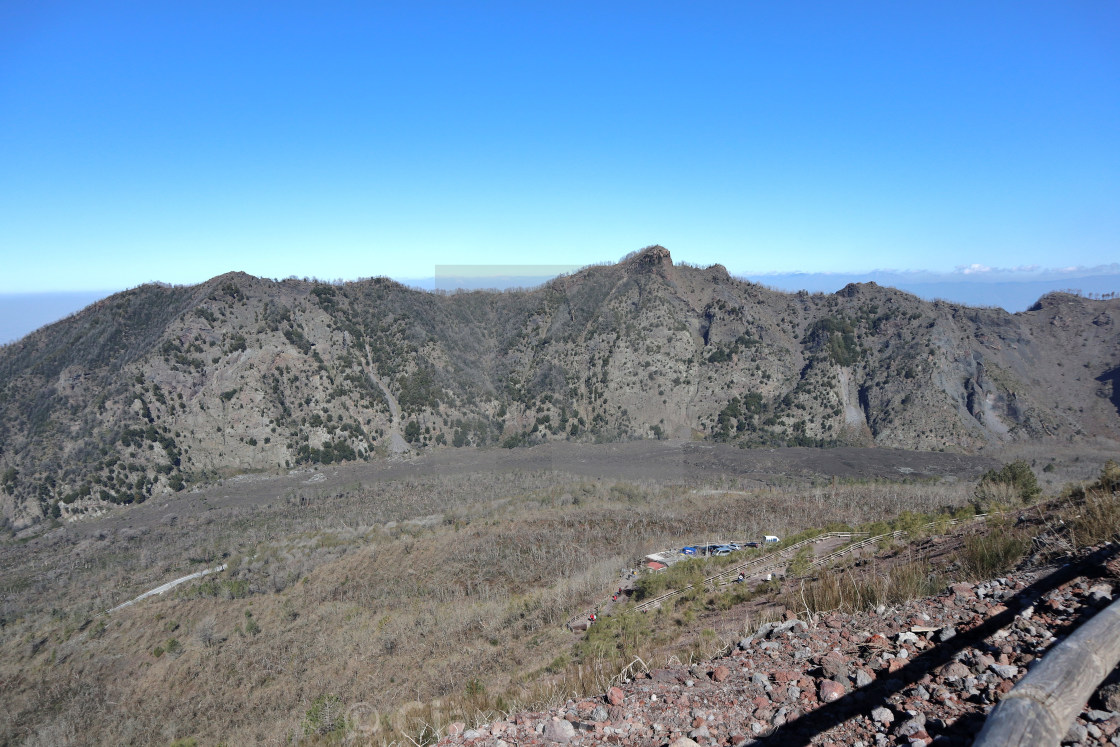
(497, 564)
(852, 589)
(611, 356)
(1092, 512)
(992, 552)
(439, 597)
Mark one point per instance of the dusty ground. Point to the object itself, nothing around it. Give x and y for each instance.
(664, 462)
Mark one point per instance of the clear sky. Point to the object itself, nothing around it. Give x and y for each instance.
(177, 141)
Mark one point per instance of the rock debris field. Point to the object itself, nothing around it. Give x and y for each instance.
(927, 672)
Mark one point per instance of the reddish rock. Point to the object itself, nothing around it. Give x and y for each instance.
(748, 712)
(962, 590)
(615, 696)
(720, 673)
(831, 690)
(835, 665)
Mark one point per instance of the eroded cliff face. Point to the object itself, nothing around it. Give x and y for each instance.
(158, 387)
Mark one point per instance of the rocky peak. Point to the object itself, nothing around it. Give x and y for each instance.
(650, 258)
(851, 290)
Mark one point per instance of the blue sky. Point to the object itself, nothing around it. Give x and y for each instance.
(174, 142)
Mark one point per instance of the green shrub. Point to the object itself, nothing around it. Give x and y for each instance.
(800, 564)
(676, 576)
(1016, 479)
(325, 716)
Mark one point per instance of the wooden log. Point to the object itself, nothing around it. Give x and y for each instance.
(1040, 709)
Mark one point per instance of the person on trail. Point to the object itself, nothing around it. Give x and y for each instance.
(614, 598)
(740, 579)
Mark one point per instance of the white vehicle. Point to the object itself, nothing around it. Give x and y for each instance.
(770, 538)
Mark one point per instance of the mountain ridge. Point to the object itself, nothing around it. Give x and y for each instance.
(157, 388)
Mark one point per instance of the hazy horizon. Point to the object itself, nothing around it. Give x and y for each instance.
(1011, 289)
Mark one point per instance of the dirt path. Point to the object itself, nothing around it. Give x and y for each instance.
(168, 586)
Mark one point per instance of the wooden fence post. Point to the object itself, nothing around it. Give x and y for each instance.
(1039, 710)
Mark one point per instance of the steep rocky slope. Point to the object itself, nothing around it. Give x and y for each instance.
(160, 387)
(926, 672)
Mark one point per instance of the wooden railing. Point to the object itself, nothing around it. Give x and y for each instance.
(826, 559)
(1039, 710)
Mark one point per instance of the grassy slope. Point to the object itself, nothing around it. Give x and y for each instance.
(354, 601)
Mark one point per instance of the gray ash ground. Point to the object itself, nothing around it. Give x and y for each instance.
(927, 672)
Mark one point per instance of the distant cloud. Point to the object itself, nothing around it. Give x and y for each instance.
(973, 269)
